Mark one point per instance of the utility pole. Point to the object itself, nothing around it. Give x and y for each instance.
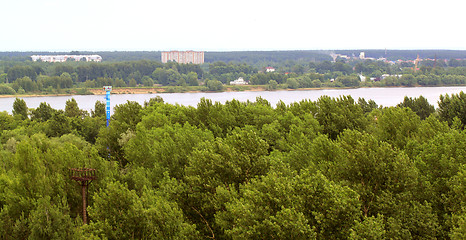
(84, 176)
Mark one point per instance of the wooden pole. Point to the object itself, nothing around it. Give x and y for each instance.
(84, 191)
(85, 176)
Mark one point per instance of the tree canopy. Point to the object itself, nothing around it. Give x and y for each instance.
(334, 168)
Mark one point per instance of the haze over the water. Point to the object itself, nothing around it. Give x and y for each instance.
(117, 25)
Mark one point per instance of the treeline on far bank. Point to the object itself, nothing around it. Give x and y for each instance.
(334, 168)
(75, 77)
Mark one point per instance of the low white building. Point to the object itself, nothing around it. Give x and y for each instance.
(384, 76)
(239, 81)
(269, 69)
(64, 58)
(388, 75)
(362, 78)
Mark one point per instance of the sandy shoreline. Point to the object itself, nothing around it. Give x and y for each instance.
(135, 91)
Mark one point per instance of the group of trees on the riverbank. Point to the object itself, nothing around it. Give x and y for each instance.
(38, 77)
(334, 168)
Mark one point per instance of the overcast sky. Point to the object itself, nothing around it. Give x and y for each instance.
(214, 25)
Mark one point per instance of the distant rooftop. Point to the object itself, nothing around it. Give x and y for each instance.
(64, 58)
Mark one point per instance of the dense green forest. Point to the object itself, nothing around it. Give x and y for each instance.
(256, 57)
(334, 168)
(27, 77)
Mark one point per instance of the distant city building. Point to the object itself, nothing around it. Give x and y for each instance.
(342, 56)
(64, 58)
(362, 55)
(183, 57)
(270, 69)
(239, 81)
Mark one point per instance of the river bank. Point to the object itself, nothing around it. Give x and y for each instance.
(144, 90)
(192, 89)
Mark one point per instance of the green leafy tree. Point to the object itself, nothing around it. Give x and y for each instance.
(133, 217)
(367, 106)
(272, 85)
(349, 81)
(50, 221)
(370, 166)
(292, 83)
(38, 199)
(227, 163)
(451, 106)
(119, 83)
(440, 163)
(192, 79)
(3, 78)
(65, 80)
(458, 231)
(336, 115)
(385, 179)
(72, 110)
(167, 147)
(132, 83)
(153, 101)
(147, 81)
(42, 113)
(369, 228)
(6, 90)
(25, 83)
(419, 105)
(397, 126)
(7, 122)
(99, 110)
(20, 108)
(214, 85)
(124, 120)
(59, 124)
(285, 206)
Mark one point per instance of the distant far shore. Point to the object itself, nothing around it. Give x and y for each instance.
(178, 89)
(145, 90)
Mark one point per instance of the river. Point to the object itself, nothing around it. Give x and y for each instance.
(382, 96)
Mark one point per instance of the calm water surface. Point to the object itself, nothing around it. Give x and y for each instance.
(382, 96)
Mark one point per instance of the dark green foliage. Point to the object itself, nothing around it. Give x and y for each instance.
(42, 113)
(214, 85)
(349, 81)
(419, 105)
(6, 121)
(149, 216)
(122, 124)
(367, 106)
(396, 126)
(72, 110)
(99, 110)
(20, 109)
(335, 115)
(305, 206)
(6, 90)
(454, 106)
(326, 169)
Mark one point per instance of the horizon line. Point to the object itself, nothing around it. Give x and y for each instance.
(249, 50)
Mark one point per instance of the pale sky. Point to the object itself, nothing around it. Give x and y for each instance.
(213, 25)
